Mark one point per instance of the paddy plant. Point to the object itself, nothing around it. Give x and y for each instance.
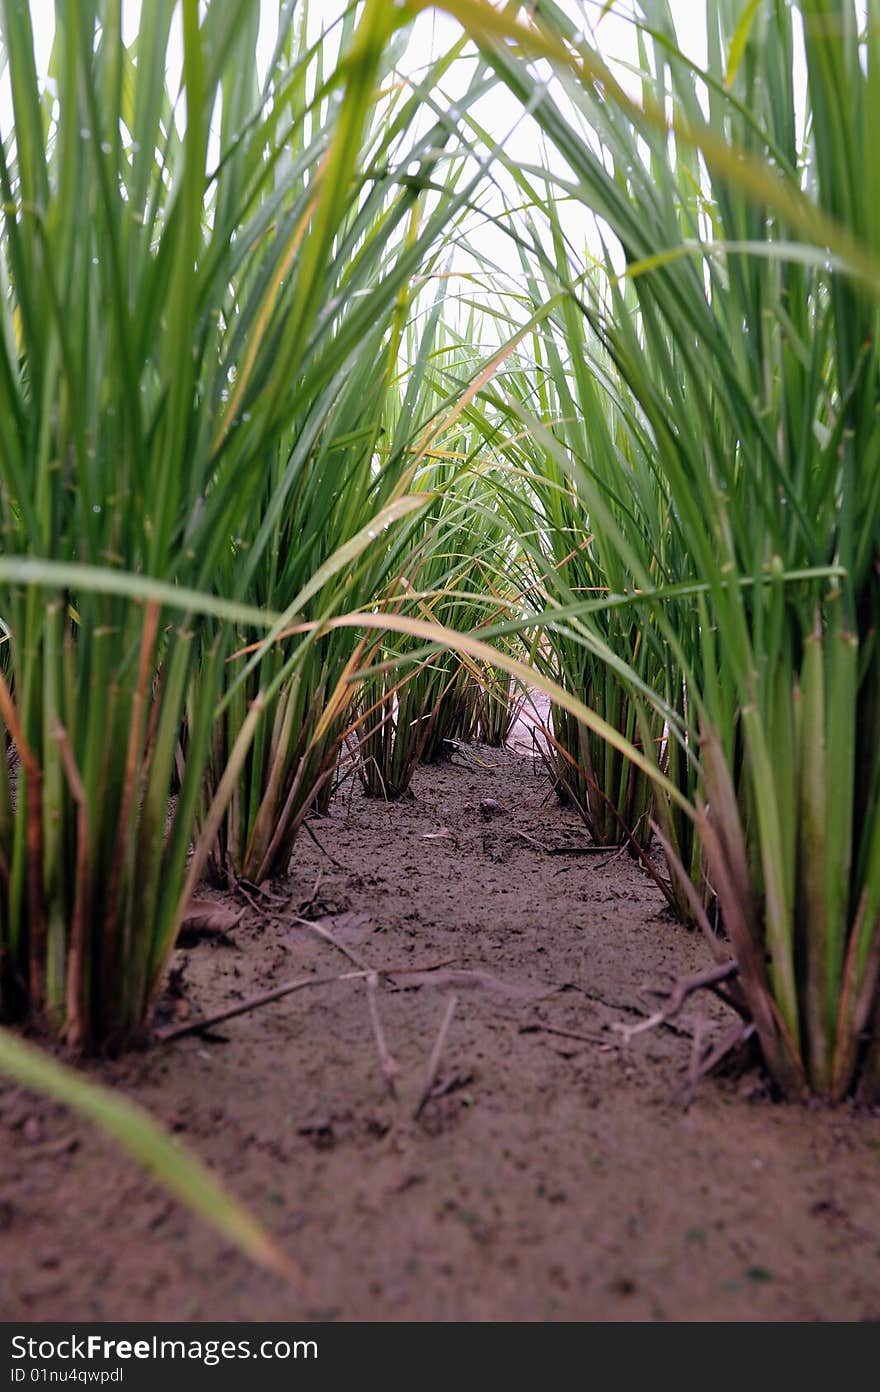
(739, 310)
(456, 573)
(173, 362)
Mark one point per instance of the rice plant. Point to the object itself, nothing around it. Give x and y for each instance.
(165, 253)
(747, 337)
(343, 474)
(454, 571)
(501, 703)
(569, 562)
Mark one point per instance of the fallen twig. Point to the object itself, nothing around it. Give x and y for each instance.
(169, 1032)
(684, 987)
(698, 1048)
(313, 897)
(247, 890)
(702, 1064)
(246, 895)
(328, 937)
(434, 1061)
(165, 1033)
(738, 1034)
(680, 1030)
(389, 1065)
(524, 836)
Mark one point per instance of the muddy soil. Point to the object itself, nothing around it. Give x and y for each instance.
(547, 1178)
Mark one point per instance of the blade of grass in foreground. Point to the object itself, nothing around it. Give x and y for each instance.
(135, 1131)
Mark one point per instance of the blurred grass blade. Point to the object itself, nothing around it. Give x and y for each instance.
(135, 1132)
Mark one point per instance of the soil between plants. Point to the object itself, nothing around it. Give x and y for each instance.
(554, 1179)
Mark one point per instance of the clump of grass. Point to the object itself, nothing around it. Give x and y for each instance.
(342, 478)
(452, 571)
(167, 325)
(744, 329)
(501, 702)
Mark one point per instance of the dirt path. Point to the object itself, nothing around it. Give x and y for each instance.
(554, 1180)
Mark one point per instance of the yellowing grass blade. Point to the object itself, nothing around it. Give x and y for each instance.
(740, 40)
